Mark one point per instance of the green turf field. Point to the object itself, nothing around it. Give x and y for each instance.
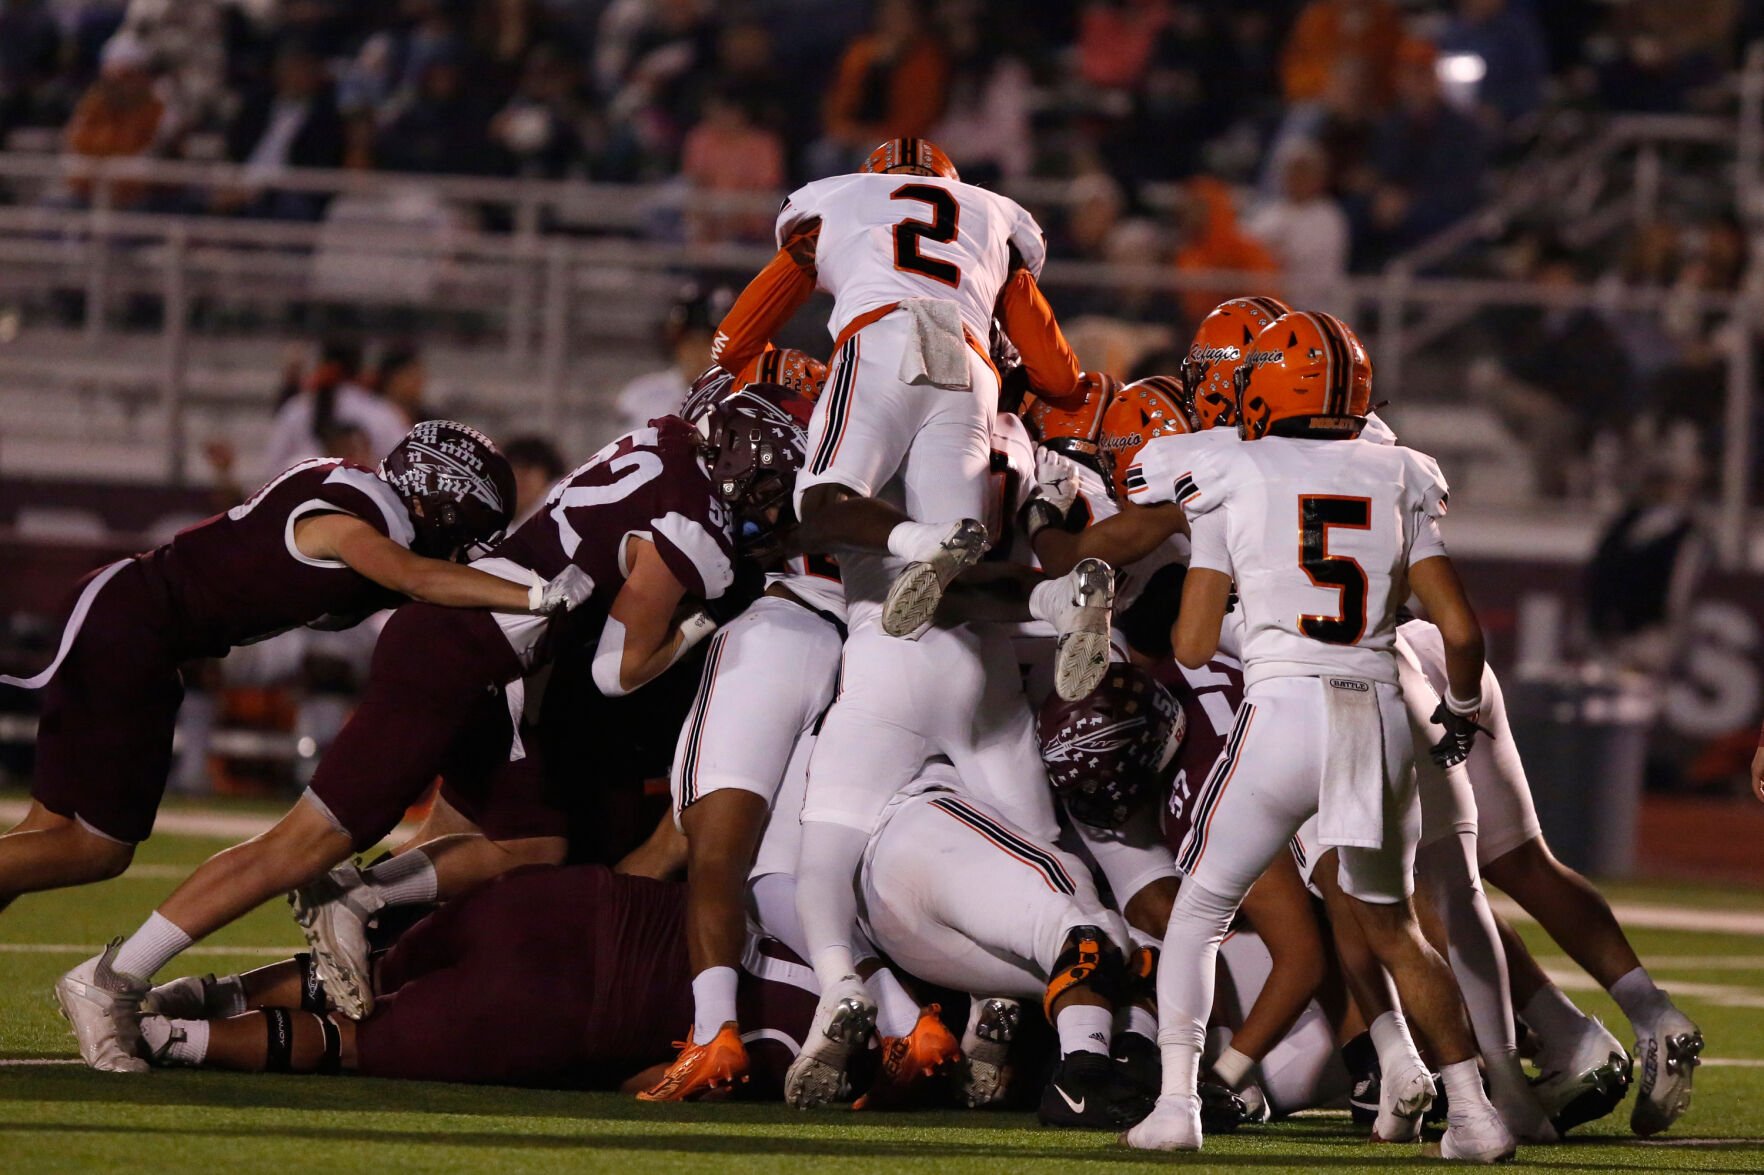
(56, 1117)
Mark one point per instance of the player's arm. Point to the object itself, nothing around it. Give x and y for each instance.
(776, 292)
(1206, 593)
(1027, 318)
(1119, 541)
(1435, 583)
(347, 539)
(1278, 907)
(641, 638)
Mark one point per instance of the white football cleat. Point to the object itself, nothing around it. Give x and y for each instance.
(986, 1045)
(333, 914)
(1404, 1097)
(1584, 1079)
(1517, 1102)
(1082, 653)
(1668, 1050)
(1173, 1125)
(843, 1023)
(181, 999)
(918, 589)
(103, 1007)
(158, 1034)
(1476, 1134)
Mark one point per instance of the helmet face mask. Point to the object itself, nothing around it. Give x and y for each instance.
(755, 446)
(1307, 376)
(1106, 754)
(457, 485)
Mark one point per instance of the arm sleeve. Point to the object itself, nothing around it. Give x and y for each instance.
(1029, 321)
(776, 292)
(1210, 551)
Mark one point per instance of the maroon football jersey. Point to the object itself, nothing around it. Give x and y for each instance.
(1210, 697)
(238, 577)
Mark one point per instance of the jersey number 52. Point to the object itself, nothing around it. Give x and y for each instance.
(946, 215)
(1317, 513)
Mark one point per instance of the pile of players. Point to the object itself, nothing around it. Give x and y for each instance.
(1018, 690)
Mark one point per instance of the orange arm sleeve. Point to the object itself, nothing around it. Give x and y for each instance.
(775, 293)
(1029, 321)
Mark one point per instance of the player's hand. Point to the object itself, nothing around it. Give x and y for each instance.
(1460, 734)
(561, 593)
(1758, 774)
(1097, 383)
(1056, 476)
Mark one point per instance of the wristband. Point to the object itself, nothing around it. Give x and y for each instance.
(536, 597)
(1040, 514)
(1462, 707)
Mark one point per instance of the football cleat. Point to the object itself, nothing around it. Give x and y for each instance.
(104, 1006)
(918, 589)
(1081, 655)
(181, 999)
(1588, 1083)
(1404, 1097)
(158, 1034)
(986, 1046)
(333, 914)
(1256, 1110)
(1088, 1091)
(844, 1020)
(1517, 1102)
(1221, 1110)
(1668, 1050)
(911, 1062)
(1477, 1135)
(1173, 1125)
(702, 1070)
(1140, 1062)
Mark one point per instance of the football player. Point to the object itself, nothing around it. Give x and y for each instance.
(324, 544)
(646, 522)
(603, 951)
(1322, 726)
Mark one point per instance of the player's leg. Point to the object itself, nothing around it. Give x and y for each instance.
(992, 743)
(273, 1040)
(47, 851)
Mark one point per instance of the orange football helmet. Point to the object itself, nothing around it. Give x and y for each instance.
(913, 156)
(1307, 375)
(1073, 429)
(787, 367)
(1147, 408)
(1220, 341)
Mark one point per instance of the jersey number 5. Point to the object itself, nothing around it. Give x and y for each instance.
(1317, 513)
(946, 214)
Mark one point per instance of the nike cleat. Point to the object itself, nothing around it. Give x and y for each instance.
(912, 1062)
(1140, 1062)
(986, 1047)
(1081, 656)
(702, 1071)
(1668, 1050)
(333, 914)
(1477, 1135)
(913, 597)
(104, 1007)
(843, 1023)
(1587, 1084)
(1173, 1125)
(1087, 1091)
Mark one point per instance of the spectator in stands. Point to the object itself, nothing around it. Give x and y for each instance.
(1497, 46)
(1178, 103)
(444, 127)
(1209, 238)
(1095, 205)
(295, 124)
(729, 154)
(985, 121)
(540, 128)
(326, 407)
(1670, 55)
(30, 47)
(537, 467)
(891, 81)
(1714, 258)
(119, 117)
(686, 335)
(1332, 38)
(1428, 162)
(1116, 39)
(1306, 231)
(647, 65)
(401, 379)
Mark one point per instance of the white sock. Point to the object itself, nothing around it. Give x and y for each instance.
(405, 880)
(1553, 1016)
(1463, 1086)
(917, 541)
(157, 943)
(1639, 996)
(713, 1001)
(1084, 1028)
(1396, 1048)
(897, 1012)
(1233, 1068)
(193, 1049)
(1049, 600)
(1181, 1075)
(1141, 1022)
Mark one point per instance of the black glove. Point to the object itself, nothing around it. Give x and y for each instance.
(1460, 733)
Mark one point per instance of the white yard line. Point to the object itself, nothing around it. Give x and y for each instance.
(1570, 978)
(74, 948)
(1647, 916)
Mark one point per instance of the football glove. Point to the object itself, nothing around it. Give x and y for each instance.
(1056, 477)
(1460, 734)
(561, 593)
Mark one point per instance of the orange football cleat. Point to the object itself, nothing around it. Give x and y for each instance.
(702, 1070)
(909, 1061)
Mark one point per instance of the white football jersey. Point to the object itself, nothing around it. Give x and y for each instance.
(1318, 536)
(886, 238)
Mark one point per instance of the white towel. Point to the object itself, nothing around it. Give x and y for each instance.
(1350, 804)
(937, 345)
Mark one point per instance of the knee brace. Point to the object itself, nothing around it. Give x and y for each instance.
(1087, 959)
(1139, 978)
(279, 1054)
(312, 988)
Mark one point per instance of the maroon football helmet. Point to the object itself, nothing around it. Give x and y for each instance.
(757, 443)
(458, 486)
(1107, 752)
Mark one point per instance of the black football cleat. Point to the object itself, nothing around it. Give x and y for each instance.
(1088, 1092)
(1362, 1065)
(1221, 1110)
(1139, 1063)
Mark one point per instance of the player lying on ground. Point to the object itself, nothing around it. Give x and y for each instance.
(325, 544)
(645, 521)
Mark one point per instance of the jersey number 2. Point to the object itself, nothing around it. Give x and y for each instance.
(946, 214)
(1317, 513)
